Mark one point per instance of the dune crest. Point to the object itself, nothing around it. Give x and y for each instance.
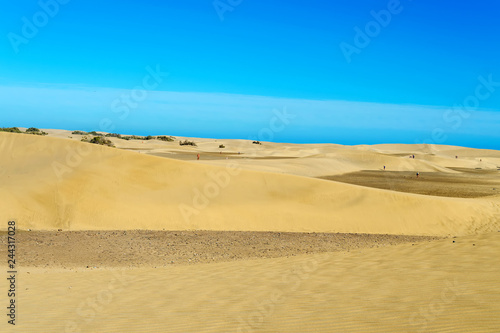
(51, 183)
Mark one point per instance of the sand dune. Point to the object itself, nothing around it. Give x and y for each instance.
(321, 160)
(51, 183)
(58, 182)
(432, 287)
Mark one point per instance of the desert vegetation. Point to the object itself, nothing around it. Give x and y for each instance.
(113, 135)
(165, 138)
(133, 137)
(31, 130)
(94, 134)
(187, 143)
(99, 140)
(10, 129)
(35, 131)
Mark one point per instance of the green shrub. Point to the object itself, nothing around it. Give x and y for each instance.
(187, 143)
(165, 138)
(35, 131)
(113, 135)
(10, 129)
(95, 133)
(98, 140)
(256, 143)
(79, 133)
(132, 137)
(222, 146)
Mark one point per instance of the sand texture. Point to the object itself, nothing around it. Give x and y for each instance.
(269, 237)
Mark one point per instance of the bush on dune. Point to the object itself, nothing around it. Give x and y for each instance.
(31, 130)
(135, 137)
(10, 129)
(35, 131)
(98, 140)
(165, 138)
(132, 137)
(187, 143)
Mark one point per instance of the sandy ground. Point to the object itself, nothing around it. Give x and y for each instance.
(281, 250)
(469, 183)
(144, 248)
(52, 183)
(439, 286)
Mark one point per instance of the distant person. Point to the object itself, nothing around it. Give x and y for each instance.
(456, 156)
(413, 156)
(198, 156)
(384, 167)
(417, 174)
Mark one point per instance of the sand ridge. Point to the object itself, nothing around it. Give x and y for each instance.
(120, 214)
(46, 187)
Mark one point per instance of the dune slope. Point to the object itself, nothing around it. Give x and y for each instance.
(439, 286)
(50, 183)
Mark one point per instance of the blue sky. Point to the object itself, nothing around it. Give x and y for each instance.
(350, 72)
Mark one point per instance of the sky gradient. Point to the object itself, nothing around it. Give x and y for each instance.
(360, 72)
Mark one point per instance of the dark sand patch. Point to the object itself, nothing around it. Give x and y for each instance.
(470, 183)
(208, 156)
(71, 249)
(193, 156)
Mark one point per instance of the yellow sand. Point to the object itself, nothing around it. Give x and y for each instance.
(430, 287)
(50, 183)
(433, 287)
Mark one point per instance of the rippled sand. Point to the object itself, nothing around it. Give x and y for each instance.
(436, 286)
(448, 284)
